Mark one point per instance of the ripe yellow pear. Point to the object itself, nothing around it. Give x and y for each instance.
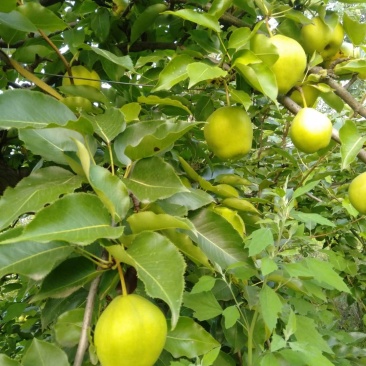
(357, 193)
(290, 65)
(82, 76)
(310, 130)
(130, 332)
(320, 37)
(229, 133)
(311, 94)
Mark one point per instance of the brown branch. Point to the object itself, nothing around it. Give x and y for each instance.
(342, 92)
(295, 108)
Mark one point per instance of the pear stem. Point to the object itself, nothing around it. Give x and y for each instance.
(303, 97)
(227, 94)
(122, 278)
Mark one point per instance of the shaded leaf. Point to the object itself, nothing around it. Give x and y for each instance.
(159, 265)
(41, 352)
(38, 110)
(217, 238)
(189, 339)
(259, 240)
(78, 218)
(68, 327)
(32, 259)
(152, 179)
(311, 218)
(304, 189)
(18, 21)
(204, 305)
(66, 278)
(7, 361)
(123, 61)
(33, 192)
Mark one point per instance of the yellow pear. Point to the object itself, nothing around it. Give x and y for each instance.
(229, 133)
(357, 193)
(82, 76)
(310, 130)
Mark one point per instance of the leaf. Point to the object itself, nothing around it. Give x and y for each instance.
(32, 259)
(145, 20)
(271, 306)
(66, 278)
(239, 204)
(239, 96)
(309, 354)
(67, 328)
(323, 272)
(4, 359)
(41, 352)
(51, 143)
(217, 238)
(159, 266)
(173, 73)
(122, 61)
(189, 339)
(206, 20)
(306, 332)
(311, 218)
(18, 21)
(352, 143)
(305, 189)
(239, 38)
(131, 111)
(150, 221)
(355, 29)
(205, 283)
(231, 315)
(111, 191)
(204, 305)
(269, 359)
(259, 240)
(153, 99)
(35, 191)
(219, 7)
(199, 71)
(109, 124)
(148, 138)
(38, 110)
(78, 218)
(152, 179)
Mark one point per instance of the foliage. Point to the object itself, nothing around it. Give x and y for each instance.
(258, 261)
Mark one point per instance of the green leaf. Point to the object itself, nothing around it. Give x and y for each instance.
(32, 259)
(109, 124)
(217, 238)
(18, 21)
(150, 221)
(355, 29)
(41, 352)
(131, 111)
(206, 20)
(219, 7)
(78, 218)
(38, 110)
(204, 305)
(145, 20)
(153, 100)
(259, 240)
(4, 359)
(239, 38)
(352, 143)
(271, 306)
(324, 272)
(148, 138)
(67, 328)
(152, 179)
(111, 191)
(51, 143)
(239, 96)
(305, 189)
(210, 357)
(311, 218)
(231, 315)
(42, 17)
(66, 278)
(269, 359)
(159, 265)
(239, 204)
(199, 71)
(173, 73)
(189, 339)
(33, 192)
(205, 283)
(310, 354)
(306, 332)
(122, 61)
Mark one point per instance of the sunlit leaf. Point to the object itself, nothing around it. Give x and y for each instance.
(199, 71)
(271, 306)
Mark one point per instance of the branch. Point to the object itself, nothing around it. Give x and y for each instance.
(342, 92)
(295, 108)
(83, 343)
